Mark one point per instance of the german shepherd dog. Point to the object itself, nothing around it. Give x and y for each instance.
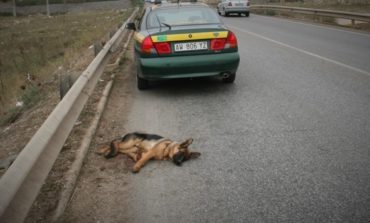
(142, 147)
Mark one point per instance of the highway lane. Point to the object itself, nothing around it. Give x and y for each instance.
(348, 47)
(288, 142)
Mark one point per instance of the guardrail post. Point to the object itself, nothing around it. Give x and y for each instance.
(353, 23)
(14, 8)
(97, 48)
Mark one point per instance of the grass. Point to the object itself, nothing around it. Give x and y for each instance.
(30, 97)
(138, 3)
(35, 46)
(42, 2)
(360, 8)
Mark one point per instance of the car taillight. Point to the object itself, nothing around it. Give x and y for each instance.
(163, 48)
(230, 4)
(218, 44)
(231, 41)
(147, 45)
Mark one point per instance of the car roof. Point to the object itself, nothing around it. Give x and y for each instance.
(176, 5)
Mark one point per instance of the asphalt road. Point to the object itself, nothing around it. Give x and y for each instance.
(288, 142)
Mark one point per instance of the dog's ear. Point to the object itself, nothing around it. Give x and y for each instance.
(194, 155)
(186, 143)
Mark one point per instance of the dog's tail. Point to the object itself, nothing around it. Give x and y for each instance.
(112, 150)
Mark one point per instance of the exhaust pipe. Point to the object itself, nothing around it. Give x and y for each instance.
(225, 75)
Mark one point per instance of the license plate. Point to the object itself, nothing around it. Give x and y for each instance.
(190, 46)
(239, 4)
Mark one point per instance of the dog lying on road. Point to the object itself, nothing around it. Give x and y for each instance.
(142, 147)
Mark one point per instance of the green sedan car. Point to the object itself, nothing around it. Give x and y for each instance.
(185, 40)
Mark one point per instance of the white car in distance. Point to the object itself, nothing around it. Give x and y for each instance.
(227, 7)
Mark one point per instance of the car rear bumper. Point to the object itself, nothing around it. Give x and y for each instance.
(187, 66)
(237, 10)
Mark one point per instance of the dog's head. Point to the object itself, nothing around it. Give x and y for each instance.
(181, 152)
(108, 151)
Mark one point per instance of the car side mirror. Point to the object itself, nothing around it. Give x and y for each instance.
(131, 26)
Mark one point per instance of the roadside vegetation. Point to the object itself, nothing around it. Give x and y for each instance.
(35, 47)
(42, 2)
(360, 8)
(347, 6)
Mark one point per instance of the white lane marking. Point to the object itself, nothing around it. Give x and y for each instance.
(323, 26)
(303, 51)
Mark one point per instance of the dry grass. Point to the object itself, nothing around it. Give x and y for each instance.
(34, 47)
(360, 8)
(42, 2)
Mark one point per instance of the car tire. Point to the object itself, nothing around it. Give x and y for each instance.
(247, 14)
(142, 84)
(230, 79)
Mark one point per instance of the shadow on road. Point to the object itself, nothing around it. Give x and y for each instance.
(182, 87)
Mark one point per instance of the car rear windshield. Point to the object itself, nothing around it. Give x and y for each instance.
(178, 16)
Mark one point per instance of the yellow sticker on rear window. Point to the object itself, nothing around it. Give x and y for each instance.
(189, 36)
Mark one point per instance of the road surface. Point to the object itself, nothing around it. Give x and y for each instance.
(288, 142)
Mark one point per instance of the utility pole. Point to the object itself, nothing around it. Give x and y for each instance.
(47, 8)
(14, 8)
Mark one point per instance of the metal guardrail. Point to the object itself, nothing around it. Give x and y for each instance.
(21, 183)
(320, 12)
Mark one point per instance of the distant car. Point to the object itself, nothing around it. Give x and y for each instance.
(155, 1)
(227, 7)
(183, 41)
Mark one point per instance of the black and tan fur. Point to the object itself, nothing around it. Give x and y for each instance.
(142, 147)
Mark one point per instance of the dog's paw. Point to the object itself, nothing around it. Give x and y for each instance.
(135, 169)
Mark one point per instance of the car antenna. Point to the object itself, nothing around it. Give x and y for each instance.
(159, 22)
(162, 23)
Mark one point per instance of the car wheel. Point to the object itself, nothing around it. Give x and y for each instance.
(230, 79)
(247, 14)
(142, 84)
